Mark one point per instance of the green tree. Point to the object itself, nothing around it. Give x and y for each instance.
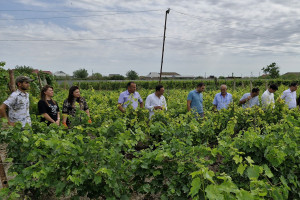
(271, 70)
(117, 77)
(96, 76)
(80, 73)
(23, 70)
(132, 75)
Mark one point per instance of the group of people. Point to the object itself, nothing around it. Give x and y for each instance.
(248, 100)
(16, 107)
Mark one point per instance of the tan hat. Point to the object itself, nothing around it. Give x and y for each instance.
(21, 79)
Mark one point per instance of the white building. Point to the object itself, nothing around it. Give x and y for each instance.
(61, 74)
(168, 75)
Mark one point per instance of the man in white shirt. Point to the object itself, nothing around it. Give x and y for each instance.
(289, 96)
(268, 96)
(17, 103)
(249, 100)
(156, 100)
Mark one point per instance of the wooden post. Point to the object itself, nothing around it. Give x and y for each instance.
(216, 82)
(251, 85)
(234, 84)
(65, 84)
(40, 82)
(3, 175)
(12, 83)
(267, 85)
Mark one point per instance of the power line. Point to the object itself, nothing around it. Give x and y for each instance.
(228, 27)
(212, 19)
(79, 39)
(105, 11)
(232, 46)
(79, 16)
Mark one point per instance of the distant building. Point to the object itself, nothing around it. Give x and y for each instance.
(156, 75)
(60, 74)
(292, 73)
(233, 77)
(36, 71)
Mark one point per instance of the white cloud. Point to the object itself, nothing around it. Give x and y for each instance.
(220, 36)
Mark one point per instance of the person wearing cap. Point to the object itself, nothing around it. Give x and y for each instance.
(18, 103)
(290, 96)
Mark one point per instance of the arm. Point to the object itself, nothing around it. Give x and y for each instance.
(215, 107)
(283, 95)
(47, 117)
(140, 100)
(88, 112)
(141, 104)
(58, 119)
(3, 114)
(165, 103)
(244, 100)
(64, 120)
(215, 103)
(189, 105)
(148, 104)
(120, 107)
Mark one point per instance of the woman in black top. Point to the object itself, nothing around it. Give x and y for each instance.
(48, 108)
(73, 102)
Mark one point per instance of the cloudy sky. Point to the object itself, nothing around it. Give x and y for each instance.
(212, 37)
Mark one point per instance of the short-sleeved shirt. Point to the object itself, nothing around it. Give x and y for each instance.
(51, 109)
(18, 107)
(267, 98)
(222, 102)
(196, 99)
(70, 108)
(126, 99)
(290, 98)
(252, 102)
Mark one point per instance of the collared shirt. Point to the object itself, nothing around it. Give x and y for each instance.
(222, 102)
(249, 103)
(127, 99)
(290, 98)
(196, 99)
(267, 98)
(18, 107)
(152, 101)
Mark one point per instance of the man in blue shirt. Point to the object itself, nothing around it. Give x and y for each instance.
(249, 100)
(222, 99)
(130, 97)
(195, 100)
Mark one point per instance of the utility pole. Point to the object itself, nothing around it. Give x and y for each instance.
(163, 47)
